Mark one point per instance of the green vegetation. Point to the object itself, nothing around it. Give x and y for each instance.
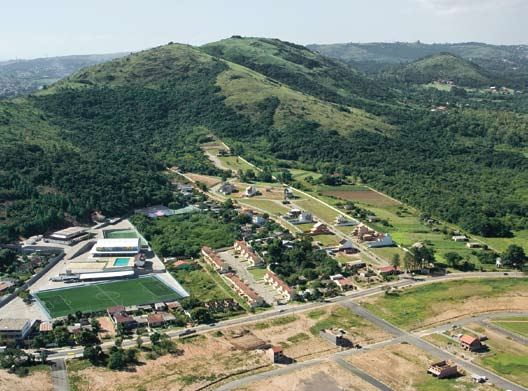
(316, 314)
(199, 284)
(186, 234)
(518, 325)
(98, 297)
(294, 339)
(412, 308)
(444, 66)
(276, 322)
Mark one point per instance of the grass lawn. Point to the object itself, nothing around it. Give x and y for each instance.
(199, 284)
(518, 325)
(235, 163)
(413, 307)
(317, 209)
(98, 297)
(273, 208)
(326, 240)
(258, 274)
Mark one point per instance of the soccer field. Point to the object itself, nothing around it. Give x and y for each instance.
(98, 297)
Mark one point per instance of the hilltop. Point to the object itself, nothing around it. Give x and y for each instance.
(298, 67)
(443, 66)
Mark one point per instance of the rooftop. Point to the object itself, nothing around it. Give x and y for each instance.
(12, 324)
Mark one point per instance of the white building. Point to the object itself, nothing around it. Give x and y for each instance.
(14, 329)
(116, 247)
(250, 191)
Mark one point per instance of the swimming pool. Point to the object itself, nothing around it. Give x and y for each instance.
(121, 261)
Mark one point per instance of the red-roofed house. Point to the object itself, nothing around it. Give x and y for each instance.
(470, 343)
(280, 286)
(155, 320)
(388, 270)
(214, 260)
(243, 290)
(118, 309)
(275, 353)
(247, 253)
(128, 322)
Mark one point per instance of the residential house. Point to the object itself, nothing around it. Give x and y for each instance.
(443, 369)
(160, 306)
(384, 241)
(356, 264)
(119, 309)
(470, 343)
(336, 337)
(214, 260)
(473, 245)
(46, 327)
(247, 253)
(173, 305)
(258, 220)
(251, 191)
(304, 217)
(244, 291)
(372, 218)
(342, 282)
(294, 213)
(280, 286)
(320, 229)
(386, 270)
(288, 193)
(342, 221)
(275, 354)
(460, 238)
(227, 188)
(155, 320)
(347, 247)
(126, 321)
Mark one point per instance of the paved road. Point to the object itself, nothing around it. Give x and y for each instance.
(515, 337)
(59, 376)
(363, 375)
(432, 349)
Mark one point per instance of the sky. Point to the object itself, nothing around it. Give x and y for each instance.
(43, 28)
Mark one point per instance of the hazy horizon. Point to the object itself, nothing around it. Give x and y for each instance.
(58, 28)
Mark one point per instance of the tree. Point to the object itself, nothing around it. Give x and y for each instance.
(408, 261)
(116, 361)
(514, 256)
(453, 259)
(201, 315)
(395, 261)
(139, 342)
(91, 354)
(96, 326)
(87, 338)
(155, 338)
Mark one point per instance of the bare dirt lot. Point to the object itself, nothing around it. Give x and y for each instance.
(208, 180)
(204, 360)
(365, 196)
(403, 367)
(36, 381)
(327, 377)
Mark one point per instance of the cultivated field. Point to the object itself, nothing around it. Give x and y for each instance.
(440, 302)
(208, 180)
(365, 196)
(98, 297)
(403, 367)
(327, 377)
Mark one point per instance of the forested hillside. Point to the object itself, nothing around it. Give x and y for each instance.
(100, 139)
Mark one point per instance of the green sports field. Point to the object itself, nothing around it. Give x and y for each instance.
(98, 297)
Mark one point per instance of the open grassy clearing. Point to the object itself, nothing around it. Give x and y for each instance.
(359, 194)
(235, 163)
(273, 208)
(199, 284)
(326, 240)
(520, 238)
(98, 297)
(38, 379)
(258, 274)
(208, 180)
(518, 325)
(432, 303)
(318, 209)
(403, 367)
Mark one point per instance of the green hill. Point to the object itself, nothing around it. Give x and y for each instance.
(300, 68)
(100, 139)
(443, 66)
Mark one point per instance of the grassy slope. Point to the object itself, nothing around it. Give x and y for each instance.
(443, 66)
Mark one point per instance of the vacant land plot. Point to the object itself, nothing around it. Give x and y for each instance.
(208, 180)
(318, 209)
(271, 207)
(235, 163)
(327, 377)
(98, 297)
(202, 361)
(403, 367)
(199, 284)
(439, 302)
(517, 325)
(365, 196)
(505, 357)
(39, 379)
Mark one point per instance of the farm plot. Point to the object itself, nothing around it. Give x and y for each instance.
(364, 195)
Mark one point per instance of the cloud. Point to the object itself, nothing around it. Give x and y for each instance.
(450, 7)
